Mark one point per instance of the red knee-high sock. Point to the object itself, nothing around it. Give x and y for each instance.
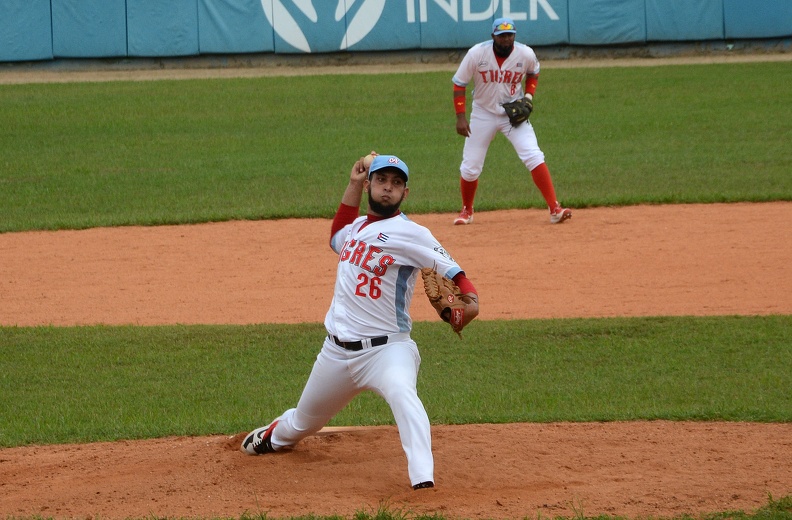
(468, 190)
(543, 181)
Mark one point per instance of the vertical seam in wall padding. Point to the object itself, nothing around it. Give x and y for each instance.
(198, 26)
(723, 18)
(52, 35)
(126, 26)
(420, 33)
(274, 49)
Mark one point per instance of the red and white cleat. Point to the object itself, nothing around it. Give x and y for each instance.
(465, 217)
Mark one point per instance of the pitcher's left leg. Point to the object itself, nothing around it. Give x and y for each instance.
(396, 370)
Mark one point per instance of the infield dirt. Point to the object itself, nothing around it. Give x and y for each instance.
(719, 259)
(635, 261)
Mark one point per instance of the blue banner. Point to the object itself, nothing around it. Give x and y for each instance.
(375, 22)
(47, 29)
(449, 24)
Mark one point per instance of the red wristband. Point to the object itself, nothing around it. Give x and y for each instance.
(459, 100)
(530, 85)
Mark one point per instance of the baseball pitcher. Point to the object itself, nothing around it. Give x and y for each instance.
(368, 344)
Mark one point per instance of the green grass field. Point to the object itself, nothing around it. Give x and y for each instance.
(84, 384)
(104, 154)
(148, 153)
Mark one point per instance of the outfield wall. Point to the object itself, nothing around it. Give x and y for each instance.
(32, 30)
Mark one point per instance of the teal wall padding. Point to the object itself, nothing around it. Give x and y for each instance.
(49, 29)
(683, 20)
(757, 18)
(380, 26)
(604, 22)
(162, 28)
(233, 26)
(89, 28)
(25, 30)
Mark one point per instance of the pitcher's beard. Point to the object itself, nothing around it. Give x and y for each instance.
(386, 210)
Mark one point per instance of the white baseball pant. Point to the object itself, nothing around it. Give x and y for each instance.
(338, 375)
(484, 126)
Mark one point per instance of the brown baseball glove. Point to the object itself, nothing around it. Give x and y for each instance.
(445, 297)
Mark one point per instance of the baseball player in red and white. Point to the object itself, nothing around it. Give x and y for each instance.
(368, 344)
(501, 70)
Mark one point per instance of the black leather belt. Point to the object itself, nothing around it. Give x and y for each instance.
(358, 345)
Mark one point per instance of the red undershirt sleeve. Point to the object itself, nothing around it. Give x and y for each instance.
(344, 216)
(464, 284)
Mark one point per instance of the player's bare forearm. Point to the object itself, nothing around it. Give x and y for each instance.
(462, 125)
(354, 190)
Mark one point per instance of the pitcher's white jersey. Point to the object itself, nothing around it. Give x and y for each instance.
(378, 263)
(493, 84)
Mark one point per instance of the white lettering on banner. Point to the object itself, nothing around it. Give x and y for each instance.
(546, 7)
(486, 14)
(451, 8)
(410, 11)
(287, 27)
(519, 15)
(514, 15)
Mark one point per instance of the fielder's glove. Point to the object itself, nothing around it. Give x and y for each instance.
(445, 297)
(518, 110)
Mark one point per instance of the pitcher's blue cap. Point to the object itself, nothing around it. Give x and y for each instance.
(503, 25)
(382, 162)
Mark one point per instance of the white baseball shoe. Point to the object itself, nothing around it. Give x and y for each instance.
(559, 214)
(259, 441)
(465, 217)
